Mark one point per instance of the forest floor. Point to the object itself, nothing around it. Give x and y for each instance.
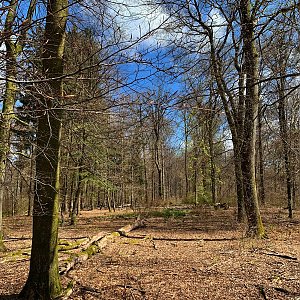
(180, 254)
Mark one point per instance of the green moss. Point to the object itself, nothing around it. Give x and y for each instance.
(115, 234)
(90, 251)
(132, 242)
(67, 245)
(19, 253)
(2, 246)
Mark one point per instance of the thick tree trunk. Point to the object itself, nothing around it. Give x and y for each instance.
(43, 281)
(238, 179)
(255, 226)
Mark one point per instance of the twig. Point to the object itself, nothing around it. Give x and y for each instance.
(262, 292)
(280, 255)
(128, 286)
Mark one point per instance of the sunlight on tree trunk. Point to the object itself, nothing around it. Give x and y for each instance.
(8, 106)
(43, 281)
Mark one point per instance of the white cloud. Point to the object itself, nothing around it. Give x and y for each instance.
(140, 19)
(218, 22)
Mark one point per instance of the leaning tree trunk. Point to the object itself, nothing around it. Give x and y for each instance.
(43, 281)
(235, 116)
(255, 226)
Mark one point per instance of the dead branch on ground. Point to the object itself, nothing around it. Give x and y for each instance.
(180, 239)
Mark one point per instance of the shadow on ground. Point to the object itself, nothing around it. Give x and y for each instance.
(9, 297)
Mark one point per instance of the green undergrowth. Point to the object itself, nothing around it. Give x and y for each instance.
(164, 213)
(167, 213)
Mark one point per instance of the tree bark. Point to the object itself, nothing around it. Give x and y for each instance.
(255, 226)
(75, 209)
(43, 281)
(8, 104)
(186, 175)
(235, 115)
(13, 49)
(238, 179)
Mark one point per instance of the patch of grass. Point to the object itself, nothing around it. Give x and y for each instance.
(131, 215)
(167, 213)
(164, 213)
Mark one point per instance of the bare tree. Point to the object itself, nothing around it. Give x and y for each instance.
(14, 47)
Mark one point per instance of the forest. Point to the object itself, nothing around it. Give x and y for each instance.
(149, 149)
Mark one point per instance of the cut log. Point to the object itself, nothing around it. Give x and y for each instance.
(139, 223)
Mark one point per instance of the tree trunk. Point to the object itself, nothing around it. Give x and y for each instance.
(75, 208)
(238, 180)
(261, 185)
(8, 104)
(146, 184)
(285, 143)
(195, 170)
(255, 226)
(235, 115)
(186, 170)
(43, 281)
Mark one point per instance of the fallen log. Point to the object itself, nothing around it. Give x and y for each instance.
(95, 245)
(169, 239)
(86, 252)
(139, 223)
